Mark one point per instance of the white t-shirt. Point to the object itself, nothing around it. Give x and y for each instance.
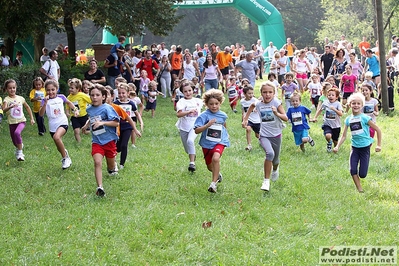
(55, 112)
(53, 68)
(186, 123)
(254, 116)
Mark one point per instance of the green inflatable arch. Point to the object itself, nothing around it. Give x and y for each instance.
(265, 15)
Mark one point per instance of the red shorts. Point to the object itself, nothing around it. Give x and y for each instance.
(108, 150)
(234, 103)
(208, 154)
(301, 76)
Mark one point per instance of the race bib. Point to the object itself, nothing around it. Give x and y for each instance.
(100, 129)
(356, 126)
(214, 133)
(297, 119)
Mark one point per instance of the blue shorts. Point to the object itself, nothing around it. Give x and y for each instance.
(144, 93)
(299, 135)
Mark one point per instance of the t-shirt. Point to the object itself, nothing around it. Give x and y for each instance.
(53, 64)
(186, 123)
(360, 130)
(283, 60)
(210, 72)
(215, 134)
(363, 46)
(232, 91)
(271, 125)
(114, 49)
(331, 118)
(224, 59)
(369, 107)
(112, 71)
(95, 76)
(129, 107)
(288, 89)
(248, 70)
(176, 60)
(327, 60)
(297, 116)
(80, 100)
(15, 115)
(147, 65)
(253, 116)
(315, 89)
(37, 94)
(374, 65)
(103, 134)
(56, 113)
(122, 115)
(348, 82)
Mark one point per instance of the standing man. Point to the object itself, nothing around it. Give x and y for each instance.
(326, 60)
(197, 50)
(290, 48)
(51, 68)
(363, 46)
(270, 50)
(163, 50)
(148, 64)
(224, 61)
(249, 68)
(176, 61)
(113, 72)
(372, 63)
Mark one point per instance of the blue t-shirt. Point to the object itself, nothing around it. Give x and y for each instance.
(297, 116)
(103, 134)
(115, 48)
(130, 108)
(215, 134)
(360, 130)
(374, 65)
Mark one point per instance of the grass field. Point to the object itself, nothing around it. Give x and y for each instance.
(154, 209)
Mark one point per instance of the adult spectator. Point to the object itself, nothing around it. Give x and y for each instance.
(200, 62)
(338, 65)
(129, 65)
(394, 43)
(224, 61)
(113, 72)
(209, 77)
(313, 57)
(270, 50)
(261, 62)
(5, 60)
(282, 66)
(196, 51)
(51, 68)
(148, 64)
(165, 77)
(205, 50)
(249, 68)
(190, 68)
(176, 61)
(257, 56)
(290, 48)
(236, 53)
(18, 59)
(44, 57)
(94, 75)
(163, 50)
(326, 60)
(157, 56)
(213, 51)
(372, 64)
(301, 67)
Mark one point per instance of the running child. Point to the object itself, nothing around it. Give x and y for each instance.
(118, 47)
(253, 119)
(272, 115)
(152, 97)
(232, 91)
(53, 106)
(198, 89)
(297, 114)
(332, 118)
(36, 96)
(368, 79)
(273, 79)
(288, 88)
(348, 84)
(370, 105)
(188, 109)
(214, 138)
(103, 123)
(80, 101)
(13, 106)
(176, 92)
(144, 80)
(315, 89)
(86, 85)
(359, 125)
(140, 106)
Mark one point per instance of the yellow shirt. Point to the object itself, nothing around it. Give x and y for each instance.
(35, 94)
(80, 100)
(16, 114)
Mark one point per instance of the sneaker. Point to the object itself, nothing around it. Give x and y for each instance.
(100, 192)
(41, 133)
(329, 146)
(220, 178)
(134, 146)
(311, 141)
(275, 175)
(249, 147)
(212, 187)
(67, 154)
(66, 162)
(265, 185)
(235, 110)
(114, 171)
(20, 157)
(191, 167)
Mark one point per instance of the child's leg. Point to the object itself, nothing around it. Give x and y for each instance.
(110, 163)
(268, 164)
(57, 137)
(98, 159)
(122, 145)
(354, 159)
(133, 138)
(276, 146)
(15, 133)
(214, 167)
(328, 137)
(248, 130)
(76, 132)
(152, 112)
(364, 160)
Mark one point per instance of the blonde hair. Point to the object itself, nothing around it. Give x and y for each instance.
(213, 94)
(123, 86)
(296, 95)
(368, 74)
(357, 96)
(76, 83)
(132, 87)
(121, 80)
(268, 84)
(152, 84)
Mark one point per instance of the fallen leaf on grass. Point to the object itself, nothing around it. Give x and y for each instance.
(59, 254)
(206, 225)
(8, 163)
(69, 227)
(180, 213)
(338, 227)
(45, 147)
(239, 201)
(160, 231)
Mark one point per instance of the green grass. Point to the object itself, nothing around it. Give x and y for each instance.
(154, 209)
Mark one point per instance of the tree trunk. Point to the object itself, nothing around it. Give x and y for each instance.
(9, 43)
(70, 31)
(38, 43)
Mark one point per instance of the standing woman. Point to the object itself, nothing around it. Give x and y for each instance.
(190, 68)
(94, 75)
(357, 68)
(257, 57)
(338, 65)
(164, 76)
(301, 66)
(209, 77)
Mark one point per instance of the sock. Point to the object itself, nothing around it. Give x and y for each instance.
(192, 163)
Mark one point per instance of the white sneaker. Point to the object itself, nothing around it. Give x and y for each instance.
(265, 185)
(20, 156)
(66, 162)
(212, 187)
(275, 175)
(120, 167)
(249, 147)
(134, 146)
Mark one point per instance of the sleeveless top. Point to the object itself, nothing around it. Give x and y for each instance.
(189, 70)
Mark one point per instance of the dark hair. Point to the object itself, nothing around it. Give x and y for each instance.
(247, 88)
(121, 38)
(51, 53)
(20, 53)
(271, 75)
(8, 81)
(101, 88)
(206, 62)
(178, 49)
(200, 54)
(339, 50)
(128, 47)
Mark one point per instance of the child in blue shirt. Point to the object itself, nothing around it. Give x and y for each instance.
(103, 123)
(359, 125)
(118, 47)
(214, 138)
(300, 128)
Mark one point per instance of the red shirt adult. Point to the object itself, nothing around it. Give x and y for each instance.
(147, 65)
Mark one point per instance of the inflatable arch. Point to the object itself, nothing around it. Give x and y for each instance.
(265, 15)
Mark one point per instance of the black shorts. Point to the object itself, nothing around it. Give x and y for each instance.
(63, 126)
(175, 71)
(225, 71)
(79, 122)
(134, 118)
(346, 95)
(376, 76)
(255, 127)
(333, 131)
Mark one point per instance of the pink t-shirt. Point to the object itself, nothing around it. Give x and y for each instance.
(348, 83)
